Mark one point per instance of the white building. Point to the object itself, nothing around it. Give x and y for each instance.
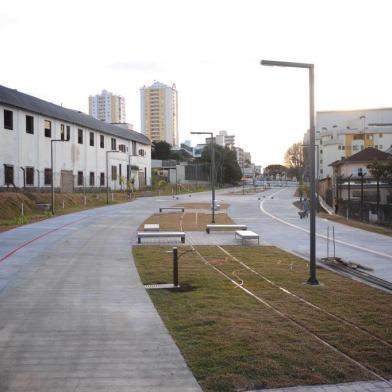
(159, 113)
(28, 128)
(340, 134)
(107, 107)
(223, 139)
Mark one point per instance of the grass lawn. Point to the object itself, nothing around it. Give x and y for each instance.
(233, 342)
(187, 221)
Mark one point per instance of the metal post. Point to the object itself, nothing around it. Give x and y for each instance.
(312, 262)
(212, 170)
(361, 197)
(348, 196)
(213, 177)
(312, 279)
(175, 267)
(52, 174)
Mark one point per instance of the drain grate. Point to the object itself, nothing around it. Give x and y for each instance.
(160, 286)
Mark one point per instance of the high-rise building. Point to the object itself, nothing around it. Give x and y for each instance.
(159, 113)
(107, 107)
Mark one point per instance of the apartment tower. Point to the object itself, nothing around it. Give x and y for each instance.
(107, 107)
(159, 113)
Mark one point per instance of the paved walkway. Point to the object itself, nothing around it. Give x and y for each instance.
(74, 315)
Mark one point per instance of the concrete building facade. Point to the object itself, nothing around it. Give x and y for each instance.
(340, 134)
(107, 107)
(159, 113)
(28, 127)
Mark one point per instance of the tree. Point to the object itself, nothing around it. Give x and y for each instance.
(227, 170)
(161, 150)
(275, 170)
(380, 170)
(294, 160)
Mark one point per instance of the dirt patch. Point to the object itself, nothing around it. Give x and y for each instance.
(202, 206)
(187, 221)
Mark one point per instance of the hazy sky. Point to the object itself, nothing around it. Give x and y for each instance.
(63, 51)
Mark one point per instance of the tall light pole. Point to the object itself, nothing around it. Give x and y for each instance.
(51, 166)
(107, 174)
(212, 169)
(310, 67)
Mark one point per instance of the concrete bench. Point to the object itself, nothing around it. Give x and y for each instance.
(151, 227)
(43, 206)
(160, 234)
(225, 227)
(247, 235)
(182, 209)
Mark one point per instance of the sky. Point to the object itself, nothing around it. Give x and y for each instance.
(64, 51)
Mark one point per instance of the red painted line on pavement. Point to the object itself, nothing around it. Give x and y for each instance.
(2, 258)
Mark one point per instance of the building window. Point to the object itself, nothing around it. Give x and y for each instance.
(29, 176)
(119, 170)
(92, 176)
(80, 136)
(141, 152)
(48, 128)
(68, 132)
(48, 177)
(133, 148)
(80, 178)
(102, 179)
(8, 175)
(355, 148)
(113, 143)
(380, 135)
(114, 173)
(8, 119)
(62, 132)
(91, 139)
(30, 124)
(122, 147)
(102, 141)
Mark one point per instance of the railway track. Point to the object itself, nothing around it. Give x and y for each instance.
(357, 273)
(292, 319)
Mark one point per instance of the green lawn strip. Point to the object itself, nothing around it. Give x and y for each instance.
(361, 304)
(229, 340)
(357, 344)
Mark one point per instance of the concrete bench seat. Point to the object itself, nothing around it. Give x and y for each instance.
(151, 227)
(182, 209)
(160, 234)
(247, 235)
(225, 227)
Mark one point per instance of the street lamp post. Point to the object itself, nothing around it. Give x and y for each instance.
(310, 67)
(212, 169)
(51, 166)
(107, 174)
